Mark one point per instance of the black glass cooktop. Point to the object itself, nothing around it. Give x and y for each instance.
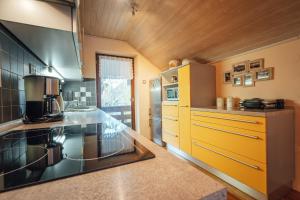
(39, 155)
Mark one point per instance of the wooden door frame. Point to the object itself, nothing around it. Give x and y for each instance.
(98, 94)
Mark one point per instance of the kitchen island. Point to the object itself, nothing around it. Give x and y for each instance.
(163, 177)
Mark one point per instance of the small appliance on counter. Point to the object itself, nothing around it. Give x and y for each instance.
(42, 95)
(257, 103)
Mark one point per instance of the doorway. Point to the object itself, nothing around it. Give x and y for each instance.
(115, 87)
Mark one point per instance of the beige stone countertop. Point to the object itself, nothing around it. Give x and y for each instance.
(248, 112)
(163, 177)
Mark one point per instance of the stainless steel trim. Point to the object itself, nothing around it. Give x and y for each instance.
(229, 157)
(230, 132)
(170, 118)
(169, 133)
(230, 119)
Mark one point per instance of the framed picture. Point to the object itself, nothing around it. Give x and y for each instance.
(264, 74)
(227, 77)
(248, 80)
(255, 65)
(240, 67)
(237, 81)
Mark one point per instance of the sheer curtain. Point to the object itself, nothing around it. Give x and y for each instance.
(116, 67)
(116, 75)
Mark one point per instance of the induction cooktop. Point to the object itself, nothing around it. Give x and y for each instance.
(35, 156)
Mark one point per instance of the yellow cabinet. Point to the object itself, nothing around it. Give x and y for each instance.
(248, 171)
(196, 87)
(255, 148)
(170, 131)
(170, 127)
(184, 86)
(184, 109)
(240, 121)
(184, 129)
(248, 143)
(169, 110)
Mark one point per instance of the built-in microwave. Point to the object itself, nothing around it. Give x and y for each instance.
(172, 94)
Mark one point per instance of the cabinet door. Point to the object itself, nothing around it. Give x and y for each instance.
(184, 129)
(184, 109)
(184, 86)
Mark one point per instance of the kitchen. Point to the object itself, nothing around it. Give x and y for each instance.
(134, 99)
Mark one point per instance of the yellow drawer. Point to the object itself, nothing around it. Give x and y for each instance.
(245, 170)
(239, 121)
(251, 144)
(170, 131)
(170, 138)
(170, 110)
(170, 125)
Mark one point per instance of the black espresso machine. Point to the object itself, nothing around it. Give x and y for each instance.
(43, 99)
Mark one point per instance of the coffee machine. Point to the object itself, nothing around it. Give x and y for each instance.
(42, 94)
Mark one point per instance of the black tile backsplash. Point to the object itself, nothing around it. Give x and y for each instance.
(4, 58)
(70, 87)
(6, 113)
(14, 64)
(5, 78)
(6, 100)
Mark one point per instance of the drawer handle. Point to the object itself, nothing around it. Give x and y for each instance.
(171, 134)
(230, 119)
(230, 132)
(170, 105)
(185, 106)
(172, 119)
(229, 157)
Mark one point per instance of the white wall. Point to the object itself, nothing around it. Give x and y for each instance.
(37, 13)
(144, 71)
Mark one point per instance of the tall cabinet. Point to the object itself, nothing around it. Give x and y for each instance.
(184, 105)
(196, 87)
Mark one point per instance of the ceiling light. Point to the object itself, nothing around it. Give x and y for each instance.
(50, 69)
(134, 7)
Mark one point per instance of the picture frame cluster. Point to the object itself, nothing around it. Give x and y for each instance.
(246, 73)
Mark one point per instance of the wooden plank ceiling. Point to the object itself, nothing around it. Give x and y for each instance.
(205, 30)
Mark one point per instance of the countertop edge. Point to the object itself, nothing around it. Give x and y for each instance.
(254, 113)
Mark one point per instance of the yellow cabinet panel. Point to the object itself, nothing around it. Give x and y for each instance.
(239, 121)
(184, 129)
(170, 110)
(248, 171)
(184, 86)
(170, 125)
(170, 131)
(170, 138)
(248, 143)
